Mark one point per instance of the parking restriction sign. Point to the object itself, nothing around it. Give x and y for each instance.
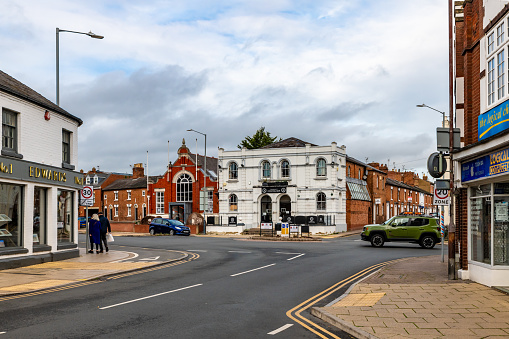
(441, 197)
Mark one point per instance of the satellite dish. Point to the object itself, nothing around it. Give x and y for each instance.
(434, 161)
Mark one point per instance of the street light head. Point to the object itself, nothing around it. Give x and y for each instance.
(421, 105)
(95, 36)
(190, 130)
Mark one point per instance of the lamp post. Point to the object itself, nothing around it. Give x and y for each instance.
(204, 180)
(90, 34)
(443, 113)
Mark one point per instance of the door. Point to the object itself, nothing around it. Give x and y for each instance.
(399, 228)
(266, 209)
(285, 208)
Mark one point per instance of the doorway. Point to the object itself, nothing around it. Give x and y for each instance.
(266, 209)
(285, 208)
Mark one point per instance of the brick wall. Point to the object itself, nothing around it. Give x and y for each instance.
(357, 215)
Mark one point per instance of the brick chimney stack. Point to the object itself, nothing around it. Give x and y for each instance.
(138, 171)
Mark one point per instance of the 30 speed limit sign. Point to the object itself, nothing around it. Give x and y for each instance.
(441, 197)
(87, 196)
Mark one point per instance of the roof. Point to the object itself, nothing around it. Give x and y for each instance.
(403, 185)
(211, 163)
(289, 142)
(12, 86)
(358, 162)
(358, 189)
(123, 184)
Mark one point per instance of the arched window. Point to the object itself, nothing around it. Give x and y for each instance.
(184, 188)
(321, 204)
(321, 169)
(233, 171)
(265, 169)
(285, 169)
(233, 202)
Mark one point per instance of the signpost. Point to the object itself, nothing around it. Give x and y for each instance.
(441, 197)
(87, 199)
(285, 230)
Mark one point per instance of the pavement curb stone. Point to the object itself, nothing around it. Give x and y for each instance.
(341, 324)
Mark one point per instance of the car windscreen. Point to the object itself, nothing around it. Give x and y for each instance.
(176, 223)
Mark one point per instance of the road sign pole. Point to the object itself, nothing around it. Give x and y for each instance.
(87, 230)
(442, 230)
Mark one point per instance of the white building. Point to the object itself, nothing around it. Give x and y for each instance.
(38, 184)
(290, 180)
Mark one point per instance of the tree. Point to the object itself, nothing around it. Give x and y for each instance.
(259, 139)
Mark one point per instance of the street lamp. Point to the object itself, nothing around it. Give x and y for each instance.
(443, 113)
(90, 34)
(205, 178)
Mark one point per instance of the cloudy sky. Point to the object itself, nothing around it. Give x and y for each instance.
(349, 71)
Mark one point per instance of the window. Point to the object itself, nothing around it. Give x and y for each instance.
(105, 196)
(128, 195)
(142, 193)
(491, 81)
(88, 180)
(116, 195)
(115, 207)
(321, 169)
(65, 216)
(210, 201)
(184, 188)
(159, 202)
(233, 171)
(265, 169)
(233, 202)
(491, 42)
(10, 207)
(128, 210)
(321, 203)
(9, 132)
(285, 169)
(39, 228)
(392, 193)
(500, 34)
(66, 147)
(500, 75)
(348, 170)
(359, 173)
(96, 179)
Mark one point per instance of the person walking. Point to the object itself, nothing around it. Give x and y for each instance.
(94, 229)
(105, 228)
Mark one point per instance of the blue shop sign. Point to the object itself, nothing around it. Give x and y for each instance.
(486, 166)
(494, 121)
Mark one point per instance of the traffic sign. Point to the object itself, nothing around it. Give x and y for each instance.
(87, 196)
(441, 197)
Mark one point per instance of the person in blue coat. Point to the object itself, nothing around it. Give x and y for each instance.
(94, 228)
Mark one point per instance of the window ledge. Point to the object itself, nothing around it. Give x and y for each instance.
(13, 251)
(68, 166)
(66, 245)
(13, 154)
(41, 248)
(320, 178)
(232, 180)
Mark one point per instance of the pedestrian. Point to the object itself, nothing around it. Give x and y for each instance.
(94, 230)
(105, 228)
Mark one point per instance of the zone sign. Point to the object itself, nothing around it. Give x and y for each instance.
(441, 197)
(87, 196)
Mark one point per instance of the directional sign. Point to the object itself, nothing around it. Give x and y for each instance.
(87, 196)
(441, 197)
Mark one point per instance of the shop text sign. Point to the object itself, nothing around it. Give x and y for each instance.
(494, 121)
(486, 166)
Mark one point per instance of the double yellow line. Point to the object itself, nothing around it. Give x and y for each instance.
(295, 313)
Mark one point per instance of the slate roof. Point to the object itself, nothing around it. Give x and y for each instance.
(289, 142)
(211, 162)
(358, 162)
(403, 185)
(123, 184)
(12, 86)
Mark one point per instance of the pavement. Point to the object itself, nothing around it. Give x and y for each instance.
(413, 298)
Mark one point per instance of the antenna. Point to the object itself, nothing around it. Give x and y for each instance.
(366, 160)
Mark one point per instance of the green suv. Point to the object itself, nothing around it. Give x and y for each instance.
(423, 230)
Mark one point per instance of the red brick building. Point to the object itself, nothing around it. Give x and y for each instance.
(176, 194)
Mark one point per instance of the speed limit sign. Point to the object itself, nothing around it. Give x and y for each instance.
(87, 196)
(441, 197)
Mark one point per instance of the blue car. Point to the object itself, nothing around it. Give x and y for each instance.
(169, 226)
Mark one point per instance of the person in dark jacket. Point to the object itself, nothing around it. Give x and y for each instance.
(105, 228)
(94, 230)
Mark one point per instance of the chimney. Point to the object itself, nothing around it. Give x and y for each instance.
(138, 171)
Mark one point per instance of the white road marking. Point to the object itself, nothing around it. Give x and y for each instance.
(255, 269)
(239, 252)
(300, 255)
(197, 250)
(150, 296)
(135, 255)
(358, 240)
(153, 258)
(286, 253)
(3, 332)
(281, 329)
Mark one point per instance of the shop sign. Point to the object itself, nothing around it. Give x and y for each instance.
(232, 221)
(486, 166)
(35, 172)
(289, 219)
(273, 190)
(311, 220)
(493, 121)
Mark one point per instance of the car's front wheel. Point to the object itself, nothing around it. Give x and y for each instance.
(377, 240)
(172, 232)
(428, 241)
(152, 231)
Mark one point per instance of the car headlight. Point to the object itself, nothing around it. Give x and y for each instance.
(178, 228)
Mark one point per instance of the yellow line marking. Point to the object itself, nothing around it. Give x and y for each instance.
(36, 285)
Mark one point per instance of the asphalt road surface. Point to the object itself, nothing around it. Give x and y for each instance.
(231, 289)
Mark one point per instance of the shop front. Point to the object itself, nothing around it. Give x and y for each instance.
(485, 176)
(38, 212)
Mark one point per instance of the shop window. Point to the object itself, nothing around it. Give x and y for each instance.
(480, 223)
(9, 131)
(321, 203)
(285, 169)
(184, 188)
(233, 173)
(65, 229)
(39, 228)
(11, 219)
(265, 170)
(233, 203)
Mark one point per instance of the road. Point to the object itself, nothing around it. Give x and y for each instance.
(232, 289)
